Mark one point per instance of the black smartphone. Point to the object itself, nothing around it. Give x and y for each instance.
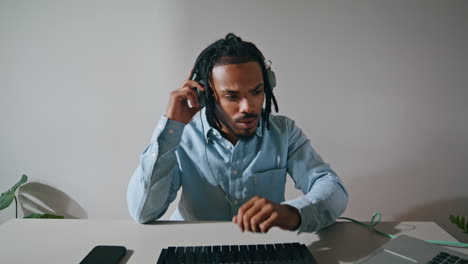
(105, 255)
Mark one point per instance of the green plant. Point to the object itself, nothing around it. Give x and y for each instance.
(460, 222)
(9, 196)
(44, 216)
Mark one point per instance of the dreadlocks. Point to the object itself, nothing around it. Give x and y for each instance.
(230, 50)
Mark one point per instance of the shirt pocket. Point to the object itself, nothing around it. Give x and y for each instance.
(270, 184)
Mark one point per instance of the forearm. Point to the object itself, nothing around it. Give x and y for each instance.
(155, 182)
(322, 205)
(148, 199)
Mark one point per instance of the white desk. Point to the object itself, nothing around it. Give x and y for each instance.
(68, 241)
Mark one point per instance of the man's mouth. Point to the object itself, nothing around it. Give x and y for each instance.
(248, 122)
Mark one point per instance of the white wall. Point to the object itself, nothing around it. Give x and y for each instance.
(380, 87)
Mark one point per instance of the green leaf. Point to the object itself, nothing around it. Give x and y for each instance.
(50, 216)
(5, 201)
(7, 197)
(12, 190)
(460, 223)
(452, 219)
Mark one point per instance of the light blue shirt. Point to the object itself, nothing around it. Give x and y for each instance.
(190, 156)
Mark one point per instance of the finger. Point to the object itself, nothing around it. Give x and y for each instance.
(189, 94)
(259, 218)
(247, 218)
(241, 211)
(234, 220)
(190, 74)
(255, 205)
(194, 84)
(259, 204)
(270, 222)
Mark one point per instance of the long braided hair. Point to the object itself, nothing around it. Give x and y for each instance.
(230, 50)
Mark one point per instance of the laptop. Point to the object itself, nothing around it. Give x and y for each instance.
(409, 250)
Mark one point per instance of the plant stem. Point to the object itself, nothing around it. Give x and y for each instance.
(16, 207)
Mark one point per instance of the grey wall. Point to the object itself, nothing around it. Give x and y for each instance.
(378, 86)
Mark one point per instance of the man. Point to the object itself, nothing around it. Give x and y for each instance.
(231, 157)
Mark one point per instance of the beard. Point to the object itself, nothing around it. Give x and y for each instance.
(230, 124)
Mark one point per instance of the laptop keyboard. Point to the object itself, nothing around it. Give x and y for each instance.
(446, 258)
(239, 254)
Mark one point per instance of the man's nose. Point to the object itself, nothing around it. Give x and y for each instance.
(246, 106)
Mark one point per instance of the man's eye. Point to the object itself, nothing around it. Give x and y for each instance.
(258, 91)
(231, 97)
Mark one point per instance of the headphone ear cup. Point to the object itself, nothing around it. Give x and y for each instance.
(201, 94)
(201, 98)
(271, 77)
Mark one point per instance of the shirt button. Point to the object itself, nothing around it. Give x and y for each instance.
(236, 202)
(234, 172)
(229, 146)
(215, 133)
(171, 130)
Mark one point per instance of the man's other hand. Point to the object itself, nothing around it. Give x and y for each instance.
(260, 214)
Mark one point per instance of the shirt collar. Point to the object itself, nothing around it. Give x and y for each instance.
(209, 132)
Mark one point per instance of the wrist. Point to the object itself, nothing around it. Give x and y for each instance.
(294, 217)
